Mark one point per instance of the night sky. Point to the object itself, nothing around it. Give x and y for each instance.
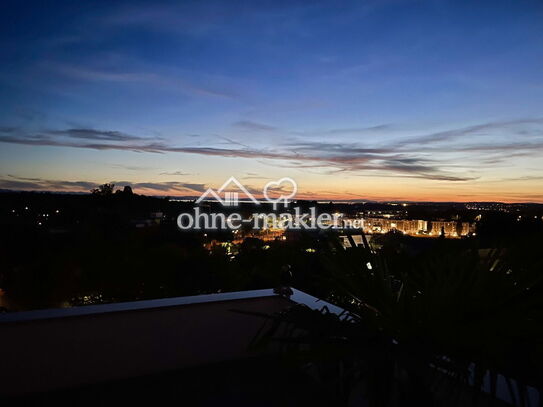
(387, 100)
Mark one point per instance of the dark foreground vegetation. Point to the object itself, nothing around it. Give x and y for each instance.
(449, 326)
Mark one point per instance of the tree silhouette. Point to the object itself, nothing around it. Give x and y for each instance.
(103, 190)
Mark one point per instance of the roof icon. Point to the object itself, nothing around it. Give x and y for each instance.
(230, 198)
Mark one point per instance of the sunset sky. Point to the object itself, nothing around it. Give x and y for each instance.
(386, 100)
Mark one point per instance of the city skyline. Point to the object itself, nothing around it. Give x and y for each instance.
(376, 100)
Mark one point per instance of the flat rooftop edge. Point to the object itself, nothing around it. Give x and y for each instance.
(297, 296)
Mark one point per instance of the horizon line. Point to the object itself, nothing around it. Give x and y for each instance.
(318, 200)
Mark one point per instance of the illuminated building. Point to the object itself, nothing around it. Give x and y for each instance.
(416, 227)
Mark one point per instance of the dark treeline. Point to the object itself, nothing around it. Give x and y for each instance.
(65, 249)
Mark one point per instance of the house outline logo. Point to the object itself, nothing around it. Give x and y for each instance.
(230, 198)
(284, 198)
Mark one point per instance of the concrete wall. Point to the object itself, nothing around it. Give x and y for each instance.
(40, 352)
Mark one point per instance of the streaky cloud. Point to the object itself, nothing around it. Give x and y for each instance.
(454, 134)
(92, 134)
(13, 182)
(331, 156)
(253, 126)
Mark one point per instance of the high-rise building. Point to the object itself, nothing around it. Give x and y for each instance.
(416, 227)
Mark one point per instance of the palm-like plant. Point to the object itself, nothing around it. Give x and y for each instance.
(435, 331)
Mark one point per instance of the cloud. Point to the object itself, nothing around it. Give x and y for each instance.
(160, 80)
(46, 140)
(8, 129)
(520, 178)
(253, 126)
(335, 156)
(337, 148)
(504, 146)
(233, 142)
(349, 130)
(248, 125)
(40, 184)
(416, 157)
(130, 167)
(511, 126)
(254, 175)
(170, 186)
(195, 187)
(92, 134)
(177, 173)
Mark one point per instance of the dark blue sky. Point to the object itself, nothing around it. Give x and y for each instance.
(345, 97)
